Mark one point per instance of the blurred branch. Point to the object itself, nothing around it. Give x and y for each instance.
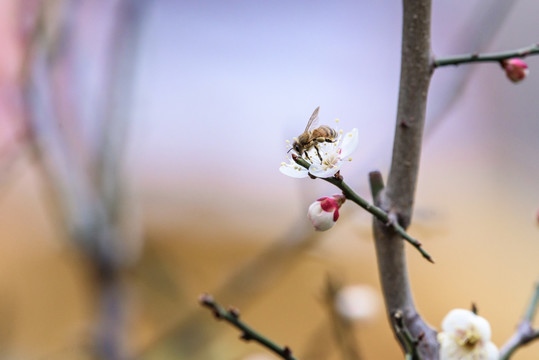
(483, 24)
(343, 329)
(189, 338)
(87, 215)
(525, 332)
(43, 136)
(118, 100)
(319, 344)
(398, 195)
(378, 213)
(232, 316)
(489, 57)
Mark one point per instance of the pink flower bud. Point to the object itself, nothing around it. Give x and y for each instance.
(515, 69)
(324, 212)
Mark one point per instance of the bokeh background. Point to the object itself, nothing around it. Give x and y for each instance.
(141, 142)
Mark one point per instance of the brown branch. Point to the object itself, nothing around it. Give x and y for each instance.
(232, 316)
(398, 197)
(189, 338)
(525, 333)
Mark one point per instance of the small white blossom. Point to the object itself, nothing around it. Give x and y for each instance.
(357, 302)
(333, 155)
(466, 336)
(292, 169)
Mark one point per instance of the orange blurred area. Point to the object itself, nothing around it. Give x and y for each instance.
(485, 253)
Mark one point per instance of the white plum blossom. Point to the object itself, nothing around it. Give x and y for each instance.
(466, 336)
(333, 155)
(357, 302)
(324, 212)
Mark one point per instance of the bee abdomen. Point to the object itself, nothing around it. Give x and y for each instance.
(325, 131)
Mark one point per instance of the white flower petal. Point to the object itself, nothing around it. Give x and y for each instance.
(483, 327)
(491, 351)
(349, 143)
(449, 350)
(457, 319)
(326, 157)
(294, 171)
(466, 336)
(321, 220)
(323, 173)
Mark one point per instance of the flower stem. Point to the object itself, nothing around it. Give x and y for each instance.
(490, 57)
(402, 331)
(373, 209)
(232, 316)
(532, 307)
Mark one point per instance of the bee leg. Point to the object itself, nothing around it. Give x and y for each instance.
(324, 139)
(318, 153)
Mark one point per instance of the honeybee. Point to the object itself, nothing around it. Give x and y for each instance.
(311, 137)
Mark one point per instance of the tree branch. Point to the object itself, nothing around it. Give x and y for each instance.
(410, 343)
(525, 333)
(398, 197)
(380, 214)
(490, 57)
(232, 316)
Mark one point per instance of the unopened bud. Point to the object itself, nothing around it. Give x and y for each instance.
(515, 69)
(324, 212)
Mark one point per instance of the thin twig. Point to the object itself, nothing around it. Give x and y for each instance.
(489, 57)
(380, 214)
(189, 338)
(410, 343)
(525, 332)
(343, 328)
(483, 23)
(232, 316)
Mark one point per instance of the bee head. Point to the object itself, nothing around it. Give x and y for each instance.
(297, 148)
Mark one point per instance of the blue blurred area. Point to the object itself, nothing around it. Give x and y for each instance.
(223, 84)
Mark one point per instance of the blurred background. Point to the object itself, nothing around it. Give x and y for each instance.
(139, 158)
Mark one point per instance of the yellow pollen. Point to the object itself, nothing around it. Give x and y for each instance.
(283, 164)
(288, 141)
(337, 120)
(469, 338)
(349, 159)
(340, 131)
(295, 139)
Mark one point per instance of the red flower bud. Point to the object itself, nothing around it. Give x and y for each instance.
(515, 69)
(324, 212)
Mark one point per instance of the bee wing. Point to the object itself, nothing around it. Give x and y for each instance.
(313, 121)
